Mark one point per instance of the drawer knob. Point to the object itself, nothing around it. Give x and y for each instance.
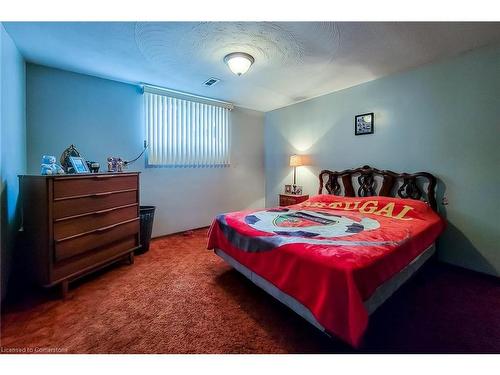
(101, 194)
(109, 227)
(98, 230)
(103, 211)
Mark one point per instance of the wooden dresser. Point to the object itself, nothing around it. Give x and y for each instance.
(75, 224)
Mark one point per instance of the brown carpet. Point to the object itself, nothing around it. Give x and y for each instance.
(181, 298)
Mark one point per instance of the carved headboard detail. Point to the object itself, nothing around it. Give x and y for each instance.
(402, 185)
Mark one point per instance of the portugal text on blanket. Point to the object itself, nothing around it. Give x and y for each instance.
(368, 207)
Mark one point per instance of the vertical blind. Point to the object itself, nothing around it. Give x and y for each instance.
(185, 133)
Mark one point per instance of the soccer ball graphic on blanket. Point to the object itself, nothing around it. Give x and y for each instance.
(308, 224)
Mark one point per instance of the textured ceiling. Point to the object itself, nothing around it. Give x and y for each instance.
(293, 60)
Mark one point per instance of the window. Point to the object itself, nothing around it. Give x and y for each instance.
(185, 131)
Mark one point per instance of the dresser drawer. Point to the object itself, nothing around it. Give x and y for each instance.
(70, 247)
(89, 221)
(82, 263)
(77, 186)
(96, 202)
(286, 201)
(289, 199)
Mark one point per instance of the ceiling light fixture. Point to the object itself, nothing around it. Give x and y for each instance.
(239, 62)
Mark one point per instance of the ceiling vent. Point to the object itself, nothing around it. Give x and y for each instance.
(211, 81)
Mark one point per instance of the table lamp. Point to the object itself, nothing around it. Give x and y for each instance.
(295, 161)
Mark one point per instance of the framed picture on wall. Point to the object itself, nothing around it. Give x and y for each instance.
(364, 124)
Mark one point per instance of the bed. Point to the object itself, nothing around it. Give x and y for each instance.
(335, 258)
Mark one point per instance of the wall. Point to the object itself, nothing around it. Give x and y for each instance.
(103, 117)
(442, 118)
(12, 147)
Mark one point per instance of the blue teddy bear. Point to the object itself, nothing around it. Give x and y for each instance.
(49, 166)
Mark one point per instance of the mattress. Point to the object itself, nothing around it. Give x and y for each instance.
(381, 294)
(332, 255)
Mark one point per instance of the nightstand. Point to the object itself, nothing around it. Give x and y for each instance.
(289, 199)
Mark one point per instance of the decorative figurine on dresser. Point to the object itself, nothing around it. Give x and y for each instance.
(49, 166)
(69, 152)
(115, 164)
(77, 223)
(93, 166)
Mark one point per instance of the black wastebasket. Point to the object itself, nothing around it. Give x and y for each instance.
(147, 214)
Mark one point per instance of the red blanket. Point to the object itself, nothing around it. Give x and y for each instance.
(329, 252)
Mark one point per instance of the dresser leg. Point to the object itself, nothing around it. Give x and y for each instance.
(64, 289)
(131, 258)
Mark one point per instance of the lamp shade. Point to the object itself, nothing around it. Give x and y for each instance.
(296, 161)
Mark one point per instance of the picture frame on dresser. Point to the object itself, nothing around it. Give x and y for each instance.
(79, 164)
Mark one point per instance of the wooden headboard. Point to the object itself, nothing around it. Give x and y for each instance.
(402, 185)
